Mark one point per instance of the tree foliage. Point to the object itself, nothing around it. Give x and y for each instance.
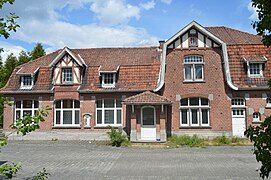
(38, 51)
(23, 57)
(263, 25)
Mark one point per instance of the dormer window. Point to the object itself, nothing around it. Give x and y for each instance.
(26, 82)
(67, 75)
(255, 70)
(108, 80)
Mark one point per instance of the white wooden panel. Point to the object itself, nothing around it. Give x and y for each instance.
(148, 134)
(177, 43)
(200, 40)
(238, 126)
(185, 40)
(70, 63)
(215, 45)
(58, 80)
(76, 71)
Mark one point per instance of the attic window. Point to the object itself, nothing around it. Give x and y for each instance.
(67, 75)
(26, 82)
(255, 70)
(108, 80)
(193, 39)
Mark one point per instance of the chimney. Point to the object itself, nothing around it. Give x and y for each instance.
(161, 43)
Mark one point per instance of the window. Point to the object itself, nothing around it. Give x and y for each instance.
(194, 112)
(193, 40)
(193, 68)
(238, 102)
(256, 117)
(27, 82)
(25, 107)
(67, 75)
(108, 112)
(67, 113)
(268, 102)
(255, 70)
(108, 80)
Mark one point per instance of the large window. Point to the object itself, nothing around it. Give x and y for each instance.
(194, 112)
(25, 107)
(108, 112)
(255, 70)
(108, 80)
(67, 113)
(26, 82)
(193, 68)
(67, 75)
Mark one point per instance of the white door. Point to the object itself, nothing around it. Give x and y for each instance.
(148, 124)
(238, 122)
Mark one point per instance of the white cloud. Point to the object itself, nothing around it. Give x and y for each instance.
(166, 1)
(253, 11)
(148, 5)
(114, 12)
(10, 48)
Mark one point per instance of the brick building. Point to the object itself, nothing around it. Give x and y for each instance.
(203, 80)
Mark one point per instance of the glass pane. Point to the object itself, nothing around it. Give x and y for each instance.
(109, 116)
(58, 104)
(119, 103)
(148, 116)
(27, 104)
(57, 117)
(99, 103)
(67, 117)
(184, 117)
(18, 104)
(109, 103)
(76, 117)
(184, 102)
(194, 116)
(18, 114)
(67, 103)
(27, 113)
(187, 72)
(199, 71)
(76, 104)
(204, 113)
(99, 116)
(35, 112)
(194, 101)
(36, 104)
(204, 101)
(118, 116)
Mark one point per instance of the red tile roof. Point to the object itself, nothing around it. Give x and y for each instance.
(147, 97)
(232, 36)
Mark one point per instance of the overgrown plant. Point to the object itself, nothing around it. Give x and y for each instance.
(185, 140)
(117, 138)
(222, 140)
(9, 170)
(42, 175)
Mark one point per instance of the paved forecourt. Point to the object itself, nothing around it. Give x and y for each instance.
(84, 160)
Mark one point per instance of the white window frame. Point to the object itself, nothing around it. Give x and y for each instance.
(115, 109)
(23, 86)
(108, 85)
(195, 60)
(250, 65)
(238, 103)
(256, 117)
(61, 109)
(199, 109)
(268, 102)
(22, 109)
(63, 78)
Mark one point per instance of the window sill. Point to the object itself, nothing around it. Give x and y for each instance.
(26, 87)
(195, 127)
(66, 127)
(106, 126)
(256, 122)
(255, 77)
(194, 81)
(268, 107)
(67, 84)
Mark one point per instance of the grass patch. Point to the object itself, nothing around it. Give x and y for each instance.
(222, 140)
(185, 140)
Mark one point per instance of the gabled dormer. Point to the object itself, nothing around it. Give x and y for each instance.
(108, 76)
(26, 78)
(68, 68)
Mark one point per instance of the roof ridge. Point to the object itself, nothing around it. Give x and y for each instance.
(139, 47)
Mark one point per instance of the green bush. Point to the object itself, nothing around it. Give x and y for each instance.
(222, 140)
(117, 138)
(185, 140)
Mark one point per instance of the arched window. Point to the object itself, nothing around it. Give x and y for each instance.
(25, 107)
(195, 112)
(193, 68)
(67, 113)
(256, 117)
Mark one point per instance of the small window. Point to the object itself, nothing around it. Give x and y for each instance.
(193, 68)
(268, 102)
(27, 82)
(256, 117)
(67, 75)
(238, 102)
(108, 80)
(255, 70)
(193, 40)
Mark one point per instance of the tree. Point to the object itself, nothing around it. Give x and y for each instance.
(263, 25)
(38, 51)
(23, 57)
(10, 64)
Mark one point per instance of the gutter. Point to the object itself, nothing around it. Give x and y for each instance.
(25, 92)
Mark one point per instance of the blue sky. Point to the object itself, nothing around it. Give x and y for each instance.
(116, 23)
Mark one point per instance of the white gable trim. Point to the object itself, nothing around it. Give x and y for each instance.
(64, 51)
(161, 79)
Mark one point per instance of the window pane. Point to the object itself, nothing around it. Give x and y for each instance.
(76, 104)
(99, 116)
(199, 71)
(67, 74)
(194, 116)
(184, 102)
(204, 101)
(99, 103)
(119, 103)
(184, 116)
(67, 117)
(27, 104)
(109, 103)
(148, 116)
(67, 103)
(27, 80)
(57, 117)
(27, 113)
(36, 104)
(194, 101)
(188, 72)
(118, 116)
(109, 116)
(204, 113)
(76, 117)
(58, 104)
(18, 104)
(18, 114)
